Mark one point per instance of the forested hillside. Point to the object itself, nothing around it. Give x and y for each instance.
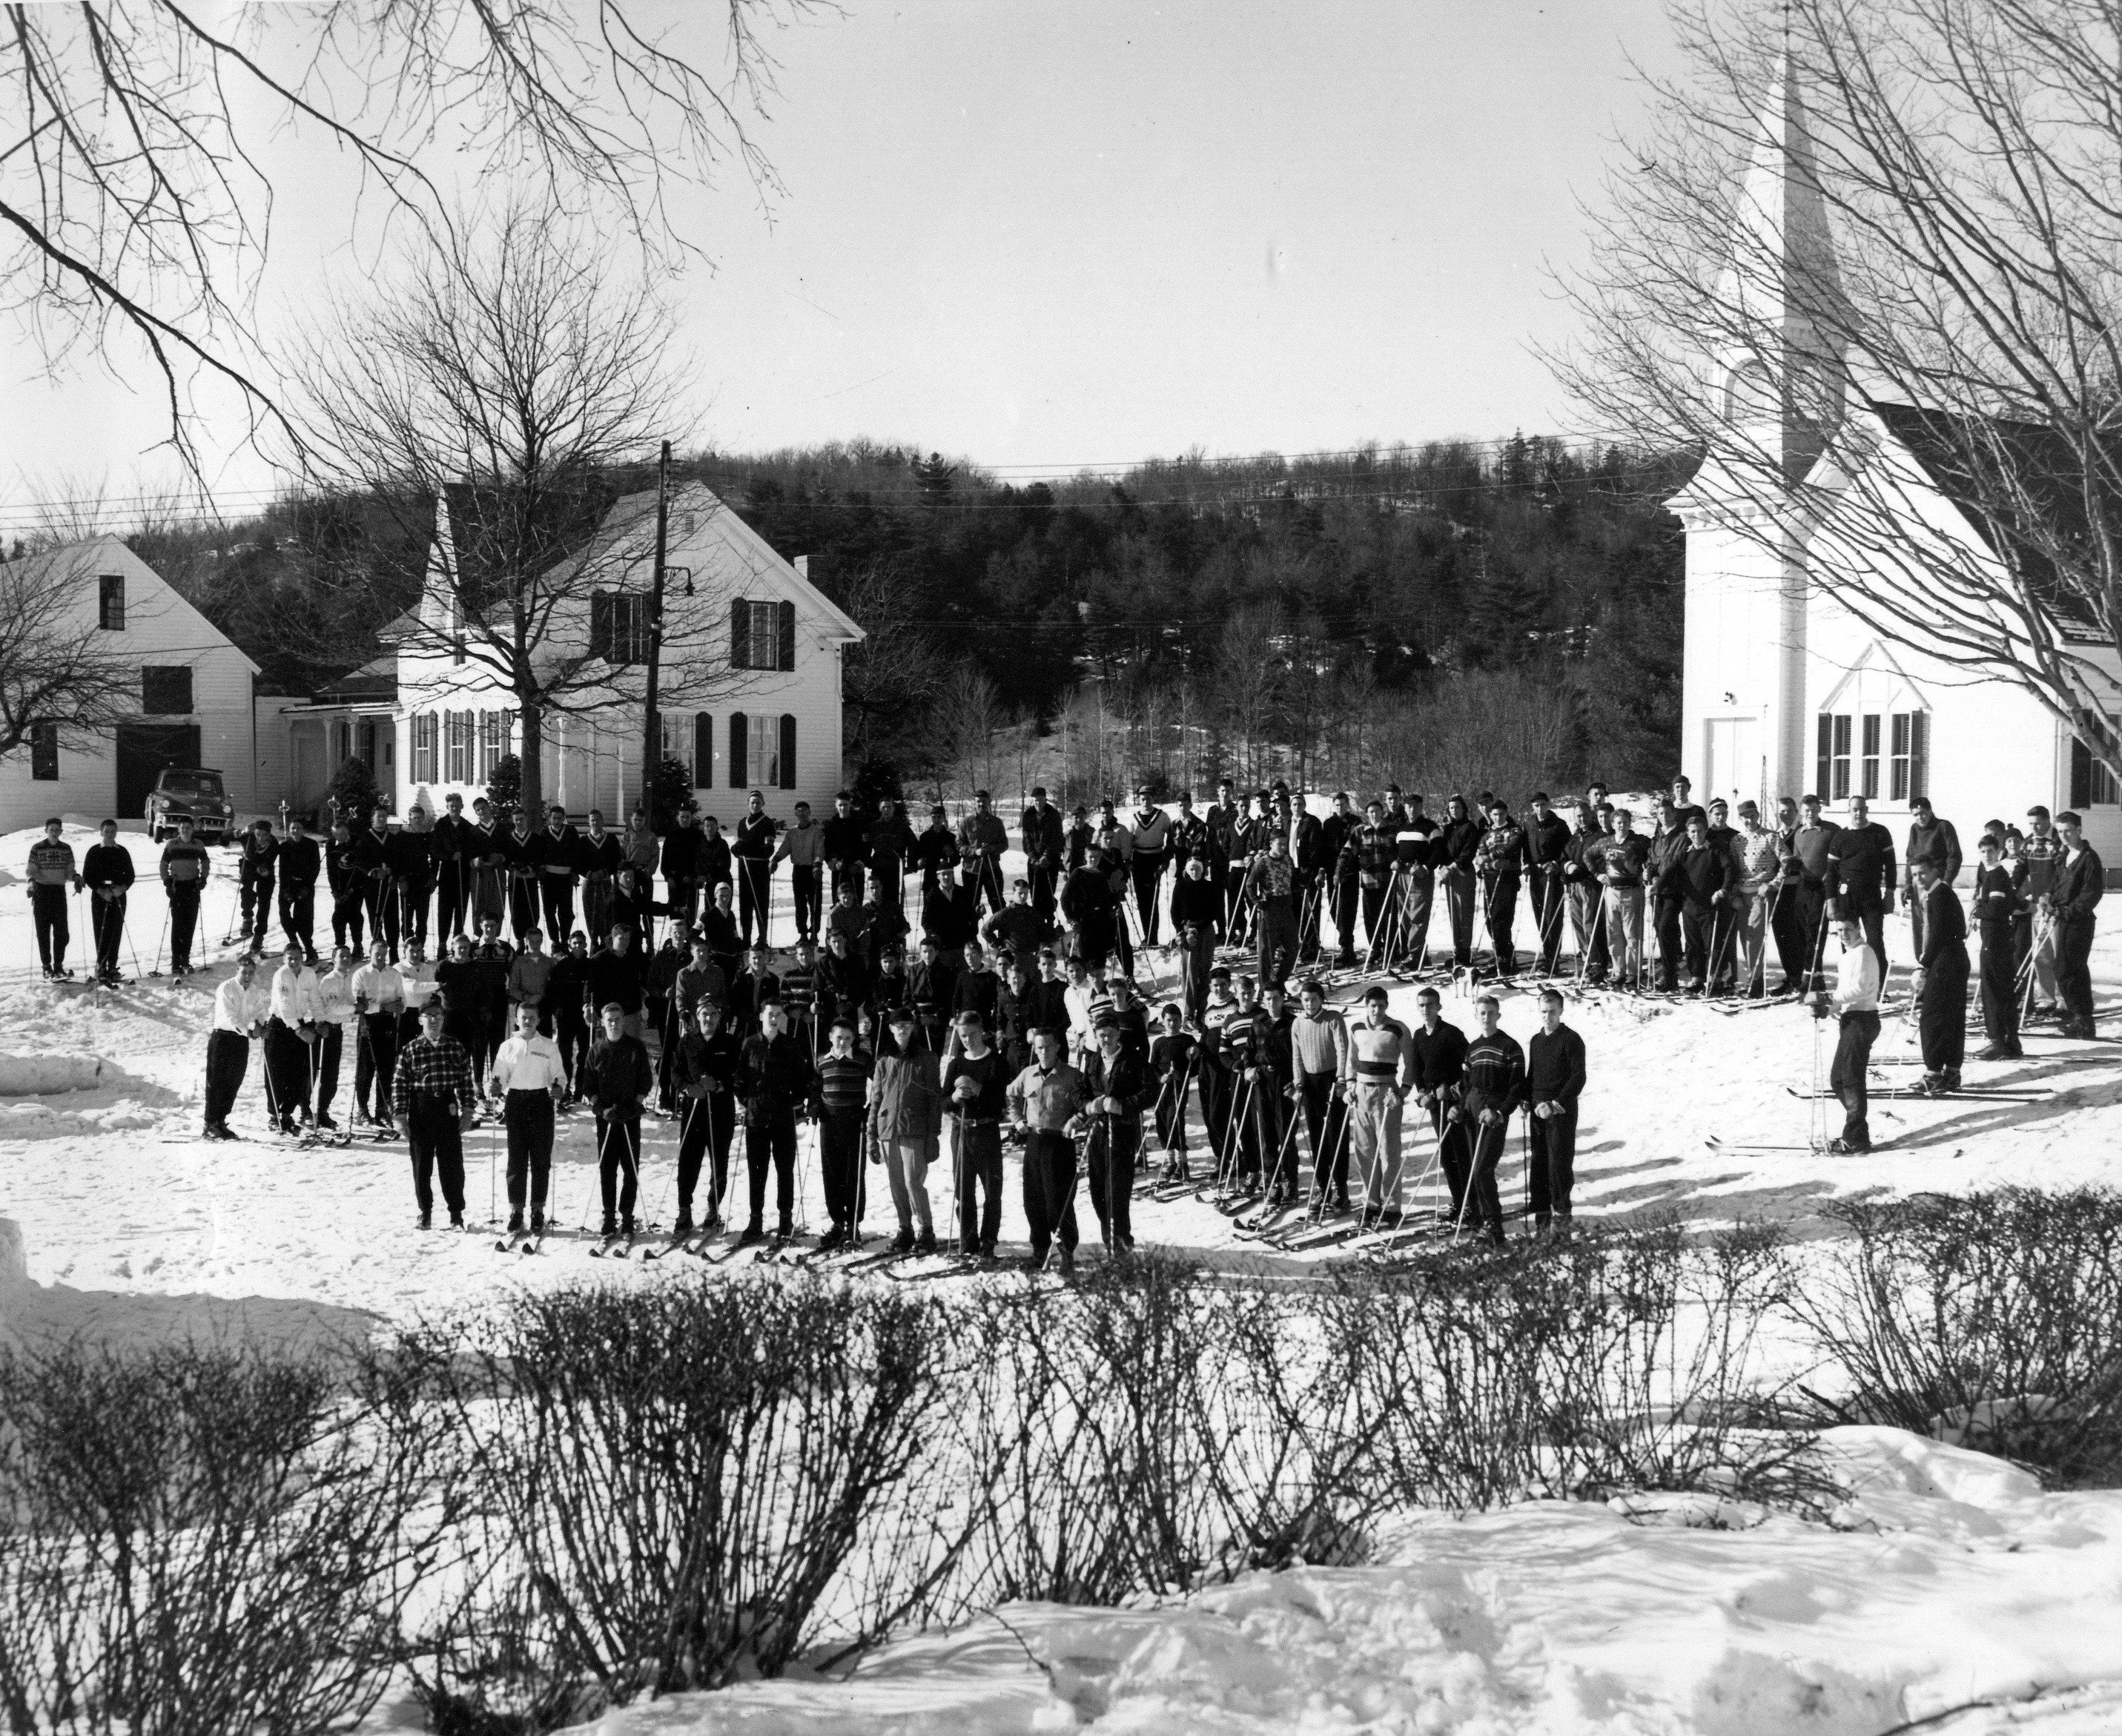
(1452, 615)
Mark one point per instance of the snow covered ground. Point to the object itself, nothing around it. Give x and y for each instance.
(1947, 1579)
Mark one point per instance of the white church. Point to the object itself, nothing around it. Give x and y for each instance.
(1785, 691)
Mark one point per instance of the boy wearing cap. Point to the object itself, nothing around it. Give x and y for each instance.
(1997, 907)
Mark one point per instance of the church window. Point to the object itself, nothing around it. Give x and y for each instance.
(1867, 784)
(2091, 784)
(1834, 756)
(1911, 757)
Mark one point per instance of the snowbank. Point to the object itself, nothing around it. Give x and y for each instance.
(14, 1262)
(1948, 1578)
(39, 1076)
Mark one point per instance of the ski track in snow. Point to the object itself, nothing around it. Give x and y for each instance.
(1953, 1581)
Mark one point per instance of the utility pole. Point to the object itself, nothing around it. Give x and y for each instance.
(652, 726)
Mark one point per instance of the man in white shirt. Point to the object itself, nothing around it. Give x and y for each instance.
(241, 1007)
(290, 1036)
(335, 1014)
(1858, 980)
(1076, 998)
(379, 999)
(529, 1078)
(417, 974)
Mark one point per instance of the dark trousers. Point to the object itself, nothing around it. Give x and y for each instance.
(437, 1145)
(298, 917)
(769, 1138)
(1378, 902)
(227, 1059)
(681, 899)
(1502, 912)
(522, 909)
(1217, 1084)
(257, 911)
(809, 900)
(1454, 1152)
(1482, 1205)
(1668, 923)
(348, 909)
(1110, 1157)
(1461, 890)
(184, 921)
(1786, 926)
(572, 1033)
(1342, 896)
(2073, 951)
(1044, 897)
(619, 1162)
(596, 910)
(1812, 930)
(375, 900)
(556, 893)
(706, 1127)
(976, 1148)
(106, 920)
(755, 898)
(1697, 925)
(1554, 1164)
(1049, 1191)
(1277, 941)
(1941, 1013)
(47, 904)
(1548, 910)
(1852, 1056)
(1873, 922)
(413, 897)
(374, 1057)
(1310, 894)
(286, 1071)
(449, 900)
(839, 1164)
(1148, 874)
(2000, 999)
(1170, 1112)
(528, 1116)
(1326, 1130)
(331, 1047)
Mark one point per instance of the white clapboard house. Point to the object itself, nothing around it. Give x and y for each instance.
(1785, 691)
(190, 694)
(749, 675)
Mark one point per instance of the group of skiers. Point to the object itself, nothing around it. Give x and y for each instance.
(1019, 1006)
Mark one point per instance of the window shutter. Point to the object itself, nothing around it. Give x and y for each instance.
(785, 637)
(740, 634)
(740, 771)
(788, 744)
(1826, 752)
(703, 750)
(600, 625)
(1918, 755)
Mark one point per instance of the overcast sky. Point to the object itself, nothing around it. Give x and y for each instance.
(1081, 234)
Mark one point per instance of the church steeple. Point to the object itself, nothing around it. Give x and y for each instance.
(1780, 296)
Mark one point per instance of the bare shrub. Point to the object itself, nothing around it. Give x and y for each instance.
(196, 1540)
(683, 1483)
(1993, 1320)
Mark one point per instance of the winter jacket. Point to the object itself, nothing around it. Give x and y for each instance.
(906, 1105)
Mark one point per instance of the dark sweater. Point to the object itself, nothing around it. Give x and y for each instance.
(1554, 1067)
(1440, 1057)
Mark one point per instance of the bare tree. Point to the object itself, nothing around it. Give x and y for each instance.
(55, 673)
(968, 716)
(1919, 290)
(891, 676)
(137, 186)
(506, 371)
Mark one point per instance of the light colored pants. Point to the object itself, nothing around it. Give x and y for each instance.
(906, 1165)
(1624, 931)
(1375, 1131)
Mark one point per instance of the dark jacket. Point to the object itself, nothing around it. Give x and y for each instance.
(107, 868)
(619, 1075)
(774, 1078)
(1555, 1068)
(300, 863)
(620, 977)
(2078, 887)
(1944, 928)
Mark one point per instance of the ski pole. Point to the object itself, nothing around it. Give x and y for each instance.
(492, 1201)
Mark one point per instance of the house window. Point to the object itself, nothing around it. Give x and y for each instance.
(1911, 756)
(44, 752)
(458, 764)
(619, 626)
(493, 742)
(2091, 784)
(1832, 779)
(111, 602)
(761, 635)
(1869, 784)
(763, 752)
(167, 692)
(425, 734)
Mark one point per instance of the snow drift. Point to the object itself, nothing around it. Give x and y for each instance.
(40, 1075)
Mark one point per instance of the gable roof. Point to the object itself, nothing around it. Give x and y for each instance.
(93, 555)
(2044, 464)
